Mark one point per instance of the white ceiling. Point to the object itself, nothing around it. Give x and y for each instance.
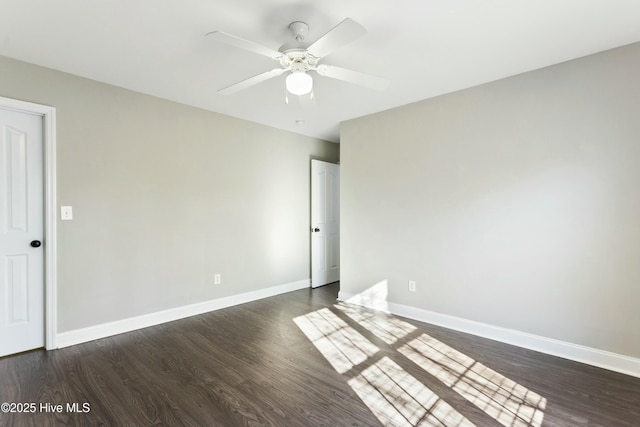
(424, 47)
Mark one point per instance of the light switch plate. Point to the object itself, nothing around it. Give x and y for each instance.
(66, 213)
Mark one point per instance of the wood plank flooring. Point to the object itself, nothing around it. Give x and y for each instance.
(303, 359)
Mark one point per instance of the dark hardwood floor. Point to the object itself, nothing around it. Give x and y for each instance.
(303, 359)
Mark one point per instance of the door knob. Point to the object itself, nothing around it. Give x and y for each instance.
(36, 243)
(316, 229)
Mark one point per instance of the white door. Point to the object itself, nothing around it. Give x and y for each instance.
(21, 232)
(325, 223)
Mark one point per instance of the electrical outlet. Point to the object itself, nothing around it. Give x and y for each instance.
(217, 279)
(412, 285)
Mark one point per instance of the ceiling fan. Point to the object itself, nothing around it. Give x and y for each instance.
(299, 58)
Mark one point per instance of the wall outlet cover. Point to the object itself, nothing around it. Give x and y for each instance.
(412, 285)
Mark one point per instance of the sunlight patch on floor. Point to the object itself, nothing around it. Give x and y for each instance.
(508, 402)
(339, 343)
(388, 329)
(398, 399)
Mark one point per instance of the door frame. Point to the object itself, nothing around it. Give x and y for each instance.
(48, 115)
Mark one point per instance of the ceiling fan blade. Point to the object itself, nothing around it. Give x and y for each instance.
(340, 35)
(232, 40)
(356, 77)
(236, 87)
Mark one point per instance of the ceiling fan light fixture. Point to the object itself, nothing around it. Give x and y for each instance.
(299, 83)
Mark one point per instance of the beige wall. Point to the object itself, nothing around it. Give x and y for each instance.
(515, 203)
(164, 197)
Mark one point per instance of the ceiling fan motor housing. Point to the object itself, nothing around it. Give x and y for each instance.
(298, 60)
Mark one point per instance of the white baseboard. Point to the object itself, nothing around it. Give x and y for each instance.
(579, 353)
(79, 336)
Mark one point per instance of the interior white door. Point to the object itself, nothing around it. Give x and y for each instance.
(21, 232)
(325, 223)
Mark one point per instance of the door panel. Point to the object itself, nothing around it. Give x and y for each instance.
(325, 223)
(16, 149)
(17, 292)
(21, 222)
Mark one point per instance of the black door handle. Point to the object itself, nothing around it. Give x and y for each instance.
(36, 243)
(316, 229)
